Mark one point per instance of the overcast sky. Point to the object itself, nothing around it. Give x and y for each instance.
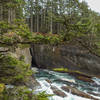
(94, 5)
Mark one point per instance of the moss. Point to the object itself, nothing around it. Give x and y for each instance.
(77, 72)
(23, 46)
(22, 58)
(66, 70)
(2, 87)
(61, 69)
(72, 72)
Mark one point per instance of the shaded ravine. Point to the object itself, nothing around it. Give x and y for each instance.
(50, 80)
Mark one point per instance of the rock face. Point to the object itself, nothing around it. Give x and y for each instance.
(25, 53)
(18, 53)
(8, 73)
(72, 57)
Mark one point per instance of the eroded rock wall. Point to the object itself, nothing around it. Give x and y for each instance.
(73, 57)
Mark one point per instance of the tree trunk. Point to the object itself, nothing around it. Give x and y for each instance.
(37, 22)
(1, 12)
(31, 22)
(9, 15)
(51, 23)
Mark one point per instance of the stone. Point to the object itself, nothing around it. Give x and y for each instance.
(77, 92)
(95, 94)
(86, 79)
(48, 81)
(58, 92)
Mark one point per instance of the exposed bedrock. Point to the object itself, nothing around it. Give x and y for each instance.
(72, 57)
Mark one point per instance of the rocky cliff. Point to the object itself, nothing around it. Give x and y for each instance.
(23, 54)
(72, 57)
(15, 67)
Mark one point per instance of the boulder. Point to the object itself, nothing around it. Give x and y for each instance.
(48, 81)
(77, 92)
(58, 92)
(85, 79)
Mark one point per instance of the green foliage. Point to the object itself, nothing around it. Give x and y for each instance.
(4, 26)
(22, 93)
(46, 38)
(19, 92)
(2, 87)
(22, 57)
(13, 70)
(13, 33)
(42, 96)
(23, 46)
(22, 29)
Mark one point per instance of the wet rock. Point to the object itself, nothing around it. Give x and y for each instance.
(77, 92)
(81, 76)
(48, 81)
(65, 82)
(85, 79)
(95, 94)
(58, 92)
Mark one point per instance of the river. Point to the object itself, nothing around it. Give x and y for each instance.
(63, 79)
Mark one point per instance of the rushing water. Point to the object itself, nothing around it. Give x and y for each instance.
(62, 79)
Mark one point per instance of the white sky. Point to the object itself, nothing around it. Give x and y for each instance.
(94, 5)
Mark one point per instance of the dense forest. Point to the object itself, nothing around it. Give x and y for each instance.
(69, 18)
(52, 22)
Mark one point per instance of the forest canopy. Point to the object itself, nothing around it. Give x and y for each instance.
(65, 18)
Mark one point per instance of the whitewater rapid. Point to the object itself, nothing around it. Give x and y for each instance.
(58, 80)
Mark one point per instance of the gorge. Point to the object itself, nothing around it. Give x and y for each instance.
(79, 76)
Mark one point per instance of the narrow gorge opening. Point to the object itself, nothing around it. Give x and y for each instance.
(33, 61)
